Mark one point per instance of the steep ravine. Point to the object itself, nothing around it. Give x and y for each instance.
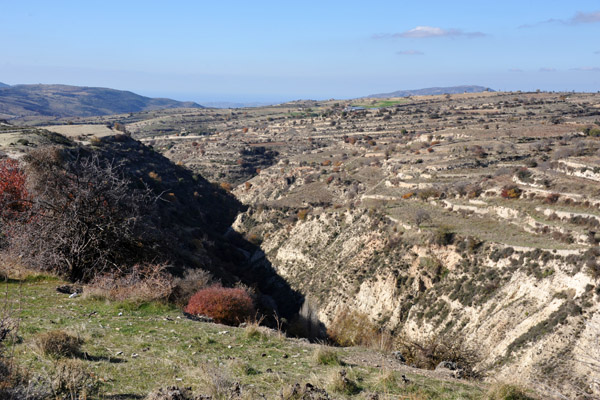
(530, 315)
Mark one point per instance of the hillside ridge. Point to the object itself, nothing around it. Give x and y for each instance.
(77, 101)
(433, 91)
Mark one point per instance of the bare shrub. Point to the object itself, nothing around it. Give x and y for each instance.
(71, 379)
(215, 382)
(145, 282)
(85, 218)
(58, 344)
(185, 287)
(351, 328)
(422, 216)
(503, 391)
(429, 353)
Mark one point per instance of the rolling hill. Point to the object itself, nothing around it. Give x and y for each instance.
(3, 85)
(433, 91)
(76, 101)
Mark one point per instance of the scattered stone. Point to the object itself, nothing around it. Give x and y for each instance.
(199, 318)
(446, 365)
(399, 357)
(69, 289)
(308, 392)
(135, 355)
(451, 368)
(72, 296)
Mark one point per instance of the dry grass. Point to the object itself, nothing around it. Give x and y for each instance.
(324, 355)
(339, 382)
(58, 344)
(504, 391)
(71, 379)
(144, 283)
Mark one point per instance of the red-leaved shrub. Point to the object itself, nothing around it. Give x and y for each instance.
(13, 194)
(224, 305)
(14, 198)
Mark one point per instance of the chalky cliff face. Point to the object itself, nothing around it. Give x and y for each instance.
(490, 239)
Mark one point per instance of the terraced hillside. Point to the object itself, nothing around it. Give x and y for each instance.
(468, 218)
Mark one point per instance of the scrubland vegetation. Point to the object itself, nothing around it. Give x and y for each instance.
(434, 247)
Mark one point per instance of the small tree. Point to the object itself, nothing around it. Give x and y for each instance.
(422, 216)
(85, 218)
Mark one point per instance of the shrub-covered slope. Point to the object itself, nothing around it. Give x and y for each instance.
(76, 101)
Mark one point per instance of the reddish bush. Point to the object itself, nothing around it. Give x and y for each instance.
(224, 305)
(552, 198)
(13, 193)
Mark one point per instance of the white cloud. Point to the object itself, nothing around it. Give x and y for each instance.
(423, 32)
(410, 53)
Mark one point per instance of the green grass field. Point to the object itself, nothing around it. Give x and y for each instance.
(381, 103)
(134, 348)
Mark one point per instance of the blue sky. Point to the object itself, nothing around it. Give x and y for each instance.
(278, 50)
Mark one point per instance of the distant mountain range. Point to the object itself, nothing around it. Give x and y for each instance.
(3, 85)
(433, 91)
(76, 101)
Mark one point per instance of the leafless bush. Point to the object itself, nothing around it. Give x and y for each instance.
(86, 218)
(422, 216)
(57, 344)
(185, 287)
(145, 282)
(429, 353)
(70, 379)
